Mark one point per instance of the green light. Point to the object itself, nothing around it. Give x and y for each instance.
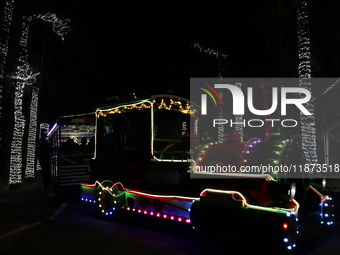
(277, 152)
(275, 161)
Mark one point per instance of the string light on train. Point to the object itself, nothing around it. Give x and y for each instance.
(173, 105)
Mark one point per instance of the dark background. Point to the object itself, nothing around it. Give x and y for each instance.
(119, 48)
(115, 49)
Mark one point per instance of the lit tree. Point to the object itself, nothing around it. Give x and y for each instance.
(308, 128)
(26, 76)
(6, 25)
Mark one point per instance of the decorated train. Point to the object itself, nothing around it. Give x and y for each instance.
(149, 158)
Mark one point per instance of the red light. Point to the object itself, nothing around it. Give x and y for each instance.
(285, 226)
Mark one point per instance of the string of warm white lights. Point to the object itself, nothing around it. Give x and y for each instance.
(25, 76)
(32, 134)
(6, 25)
(308, 127)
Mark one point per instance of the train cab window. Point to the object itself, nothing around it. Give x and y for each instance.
(170, 128)
(136, 129)
(108, 135)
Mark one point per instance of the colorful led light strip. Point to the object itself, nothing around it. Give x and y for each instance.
(271, 209)
(294, 210)
(160, 215)
(322, 198)
(52, 129)
(188, 199)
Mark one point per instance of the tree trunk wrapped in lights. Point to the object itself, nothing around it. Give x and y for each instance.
(32, 135)
(308, 128)
(6, 25)
(24, 76)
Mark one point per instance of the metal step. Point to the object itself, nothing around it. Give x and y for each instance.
(73, 175)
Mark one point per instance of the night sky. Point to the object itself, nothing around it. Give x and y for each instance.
(120, 48)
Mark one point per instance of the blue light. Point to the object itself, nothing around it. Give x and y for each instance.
(289, 247)
(294, 245)
(326, 204)
(285, 240)
(288, 214)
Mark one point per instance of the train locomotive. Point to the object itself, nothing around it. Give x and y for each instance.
(149, 160)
